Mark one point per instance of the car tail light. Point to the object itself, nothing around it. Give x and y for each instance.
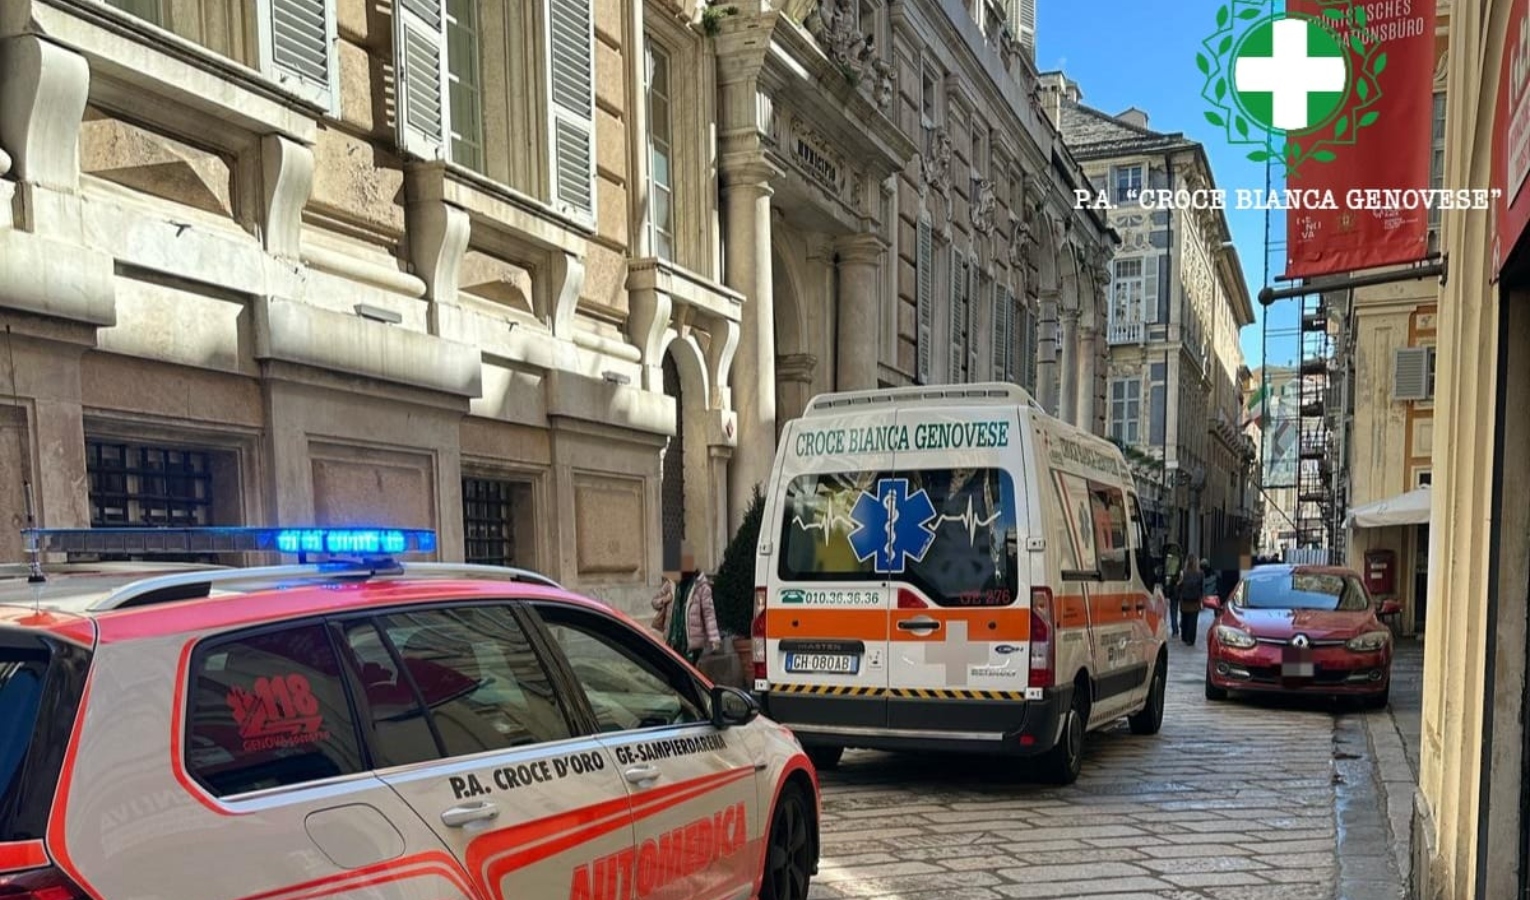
(47, 883)
(907, 599)
(1043, 650)
(757, 635)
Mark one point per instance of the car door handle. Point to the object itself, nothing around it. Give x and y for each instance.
(641, 774)
(458, 816)
(1141, 606)
(918, 625)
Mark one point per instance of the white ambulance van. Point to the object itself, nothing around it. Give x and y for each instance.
(950, 568)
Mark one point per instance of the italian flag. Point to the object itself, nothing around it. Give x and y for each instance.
(1258, 407)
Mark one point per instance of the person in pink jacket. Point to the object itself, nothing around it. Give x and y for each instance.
(693, 617)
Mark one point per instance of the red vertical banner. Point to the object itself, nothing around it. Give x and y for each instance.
(1511, 137)
(1377, 146)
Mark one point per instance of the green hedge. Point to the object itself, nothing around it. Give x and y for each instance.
(733, 590)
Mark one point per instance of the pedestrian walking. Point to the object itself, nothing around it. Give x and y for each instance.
(693, 616)
(663, 603)
(1192, 591)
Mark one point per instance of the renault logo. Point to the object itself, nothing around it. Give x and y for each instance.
(1300, 641)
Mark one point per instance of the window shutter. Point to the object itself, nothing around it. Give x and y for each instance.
(1028, 373)
(571, 82)
(1000, 332)
(1149, 312)
(976, 304)
(924, 343)
(297, 48)
(1410, 374)
(1028, 25)
(419, 34)
(958, 318)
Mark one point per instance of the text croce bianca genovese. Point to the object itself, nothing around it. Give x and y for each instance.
(1367, 199)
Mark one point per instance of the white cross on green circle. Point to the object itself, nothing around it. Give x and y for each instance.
(1290, 74)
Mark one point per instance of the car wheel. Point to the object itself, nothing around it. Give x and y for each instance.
(789, 848)
(1150, 718)
(1212, 691)
(1062, 764)
(825, 758)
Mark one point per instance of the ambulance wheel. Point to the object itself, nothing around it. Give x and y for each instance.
(1150, 718)
(788, 848)
(825, 758)
(1062, 764)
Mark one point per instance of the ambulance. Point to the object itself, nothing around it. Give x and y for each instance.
(952, 569)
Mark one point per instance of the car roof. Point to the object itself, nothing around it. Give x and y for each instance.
(1277, 569)
(62, 603)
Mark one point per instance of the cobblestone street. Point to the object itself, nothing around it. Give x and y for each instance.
(1242, 800)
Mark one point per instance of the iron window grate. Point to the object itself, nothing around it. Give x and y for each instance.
(488, 510)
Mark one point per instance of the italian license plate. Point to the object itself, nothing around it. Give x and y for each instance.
(1297, 665)
(822, 664)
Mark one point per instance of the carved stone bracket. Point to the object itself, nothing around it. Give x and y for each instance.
(720, 350)
(984, 206)
(833, 24)
(935, 165)
(1019, 240)
(564, 282)
(43, 90)
(287, 182)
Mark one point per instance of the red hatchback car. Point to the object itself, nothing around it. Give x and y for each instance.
(1300, 629)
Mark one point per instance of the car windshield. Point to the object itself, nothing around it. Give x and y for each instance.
(1303, 590)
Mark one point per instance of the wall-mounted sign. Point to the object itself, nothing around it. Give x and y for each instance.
(1511, 137)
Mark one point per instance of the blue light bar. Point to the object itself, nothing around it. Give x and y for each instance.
(303, 541)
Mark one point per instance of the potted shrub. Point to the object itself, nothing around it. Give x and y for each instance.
(733, 588)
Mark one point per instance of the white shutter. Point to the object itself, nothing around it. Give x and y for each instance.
(1002, 316)
(1149, 312)
(1410, 374)
(571, 88)
(924, 264)
(1028, 25)
(958, 318)
(297, 48)
(419, 51)
(1011, 321)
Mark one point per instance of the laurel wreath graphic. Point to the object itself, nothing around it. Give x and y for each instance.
(1289, 150)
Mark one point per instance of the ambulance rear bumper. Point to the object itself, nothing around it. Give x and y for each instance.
(990, 727)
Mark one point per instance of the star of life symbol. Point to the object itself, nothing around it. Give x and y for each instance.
(892, 526)
(1290, 74)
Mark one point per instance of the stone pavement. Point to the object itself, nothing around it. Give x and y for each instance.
(1243, 800)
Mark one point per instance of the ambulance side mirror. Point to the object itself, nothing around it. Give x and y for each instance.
(731, 706)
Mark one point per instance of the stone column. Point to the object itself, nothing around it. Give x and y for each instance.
(747, 268)
(1089, 376)
(1046, 352)
(859, 345)
(1069, 354)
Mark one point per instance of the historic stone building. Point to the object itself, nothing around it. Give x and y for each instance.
(507, 268)
(290, 261)
(899, 210)
(1178, 301)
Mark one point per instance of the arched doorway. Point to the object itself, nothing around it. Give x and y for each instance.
(672, 486)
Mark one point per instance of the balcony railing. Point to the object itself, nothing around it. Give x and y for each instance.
(1125, 332)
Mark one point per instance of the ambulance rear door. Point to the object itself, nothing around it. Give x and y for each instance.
(827, 605)
(961, 603)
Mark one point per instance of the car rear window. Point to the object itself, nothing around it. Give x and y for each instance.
(270, 710)
(41, 681)
(954, 531)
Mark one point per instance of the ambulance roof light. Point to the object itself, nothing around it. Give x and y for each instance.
(348, 541)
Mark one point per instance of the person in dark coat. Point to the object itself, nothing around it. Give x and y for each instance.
(1192, 591)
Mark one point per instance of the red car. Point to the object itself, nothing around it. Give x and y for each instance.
(1300, 629)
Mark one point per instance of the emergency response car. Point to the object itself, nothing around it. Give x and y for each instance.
(950, 568)
(361, 727)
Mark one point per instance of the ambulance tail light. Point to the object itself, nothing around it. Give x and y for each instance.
(757, 634)
(907, 599)
(1043, 647)
(47, 883)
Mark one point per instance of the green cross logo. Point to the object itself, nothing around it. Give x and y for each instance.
(1290, 74)
(1297, 86)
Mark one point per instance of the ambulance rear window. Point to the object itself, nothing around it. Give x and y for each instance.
(953, 532)
(41, 682)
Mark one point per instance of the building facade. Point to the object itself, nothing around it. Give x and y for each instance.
(291, 261)
(1471, 834)
(544, 276)
(1177, 303)
(1273, 418)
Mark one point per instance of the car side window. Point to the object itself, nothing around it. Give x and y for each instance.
(269, 710)
(629, 684)
(453, 682)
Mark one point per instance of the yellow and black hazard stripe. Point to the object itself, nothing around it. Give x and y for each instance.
(849, 690)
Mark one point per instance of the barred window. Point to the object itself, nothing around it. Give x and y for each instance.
(496, 520)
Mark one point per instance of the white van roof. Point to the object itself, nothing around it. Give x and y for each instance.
(987, 394)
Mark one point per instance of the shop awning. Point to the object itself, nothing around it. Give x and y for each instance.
(1411, 508)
